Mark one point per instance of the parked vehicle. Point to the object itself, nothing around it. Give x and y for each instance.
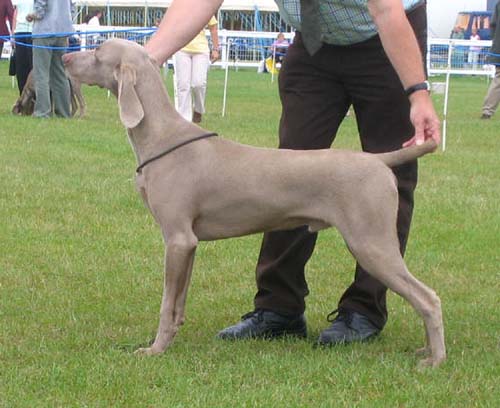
(480, 20)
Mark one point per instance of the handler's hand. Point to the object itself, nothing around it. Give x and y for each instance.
(214, 55)
(424, 119)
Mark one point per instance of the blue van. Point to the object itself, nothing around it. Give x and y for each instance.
(480, 20)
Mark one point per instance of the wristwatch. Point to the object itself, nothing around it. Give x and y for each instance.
(421, 86)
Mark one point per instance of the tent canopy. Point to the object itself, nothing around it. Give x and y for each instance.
(261, 5)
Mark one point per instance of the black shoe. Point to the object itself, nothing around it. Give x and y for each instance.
(197, 117)
(264, 324)
(485, 116)
(347, 327)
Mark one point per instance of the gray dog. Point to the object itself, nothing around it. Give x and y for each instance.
(199, 187)
(25, 104)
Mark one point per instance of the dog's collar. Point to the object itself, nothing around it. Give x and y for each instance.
(170, 150)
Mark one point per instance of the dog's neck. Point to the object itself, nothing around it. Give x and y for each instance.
(162, 126)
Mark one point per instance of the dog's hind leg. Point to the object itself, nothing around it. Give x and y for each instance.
(375, 245)
(425, 351)
(179, 257)
(428, 305)
(382, 259)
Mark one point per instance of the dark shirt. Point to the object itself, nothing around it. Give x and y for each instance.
(495, 35)
(6, 14)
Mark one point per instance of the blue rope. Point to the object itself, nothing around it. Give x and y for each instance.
(138, 33)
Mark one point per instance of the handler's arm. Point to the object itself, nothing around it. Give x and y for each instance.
(14, 23)
(182, 21)
(402, 49)
(214, 34)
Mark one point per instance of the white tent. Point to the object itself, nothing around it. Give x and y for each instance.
(442, 14)
(228, 6)
(261, 5)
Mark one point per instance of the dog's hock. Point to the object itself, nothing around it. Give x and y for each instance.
(131, 110)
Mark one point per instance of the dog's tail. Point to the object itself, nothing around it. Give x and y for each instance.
(407, 154)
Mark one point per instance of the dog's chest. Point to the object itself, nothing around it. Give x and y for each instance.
(140, 185)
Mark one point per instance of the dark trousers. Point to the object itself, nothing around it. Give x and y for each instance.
(316, 93)
(24, 58)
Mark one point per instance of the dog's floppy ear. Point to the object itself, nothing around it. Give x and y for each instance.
(131, 111)
(16, 109)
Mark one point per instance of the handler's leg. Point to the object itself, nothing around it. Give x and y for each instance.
(41, 74)
(201, 63)
(59, 83)
(183, 69)
(492, 98)
(384, 124)
(24, 60)
(314, 103)
(383, 115)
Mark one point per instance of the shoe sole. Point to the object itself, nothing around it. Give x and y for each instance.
(268, 335)
(346, 342)
(287, 333)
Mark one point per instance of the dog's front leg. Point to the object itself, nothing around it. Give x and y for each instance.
(80, 100)
(178, 264)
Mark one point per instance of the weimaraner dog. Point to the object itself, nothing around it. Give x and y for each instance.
(202, 188)
(25, 104)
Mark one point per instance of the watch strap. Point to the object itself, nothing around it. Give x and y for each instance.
(421, 86)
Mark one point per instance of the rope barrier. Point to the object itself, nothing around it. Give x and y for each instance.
(138, 34)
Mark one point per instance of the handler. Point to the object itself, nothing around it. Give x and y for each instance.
(368, 53)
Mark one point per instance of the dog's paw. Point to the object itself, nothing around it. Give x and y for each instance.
(423, 352)
(152, 350)
(146, 351)
(16, 109)
(429, 362)
(425, 363)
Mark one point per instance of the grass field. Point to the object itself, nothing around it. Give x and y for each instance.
(81, 274)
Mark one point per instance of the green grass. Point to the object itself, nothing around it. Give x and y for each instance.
(81, 274)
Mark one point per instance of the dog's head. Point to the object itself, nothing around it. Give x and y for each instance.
(114, 65)
(25, 104)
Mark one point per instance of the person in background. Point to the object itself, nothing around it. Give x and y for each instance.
(368, 54)
(280, 44)
(473, 56)
(95, 20)
(492, 98)
(458, 56)
(92, 25)
(457, 33)
(279, 47)
(6, 16)
(48, 70)
(22, 41)
(191, 70)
